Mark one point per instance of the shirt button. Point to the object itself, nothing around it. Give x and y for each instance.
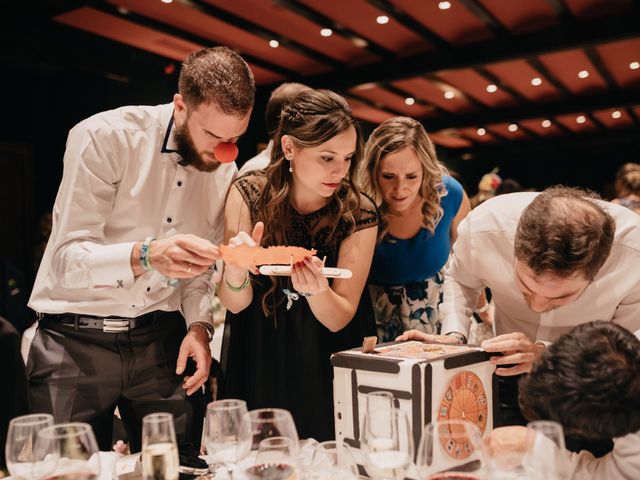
(148, 289)
(179, 183)
(169, 220)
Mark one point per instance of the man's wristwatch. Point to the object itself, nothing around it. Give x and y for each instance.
(207, 326)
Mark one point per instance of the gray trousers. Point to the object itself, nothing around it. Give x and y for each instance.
(82, 374)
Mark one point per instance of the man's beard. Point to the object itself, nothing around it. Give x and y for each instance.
(188, 152)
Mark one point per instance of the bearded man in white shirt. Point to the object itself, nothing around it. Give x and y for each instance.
(135, 226)
(552, 260)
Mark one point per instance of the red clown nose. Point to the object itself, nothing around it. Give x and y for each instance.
(226, 152)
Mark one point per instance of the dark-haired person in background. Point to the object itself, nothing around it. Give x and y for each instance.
(141, 202)
(552, 260)
(589, 382)
(280, 97)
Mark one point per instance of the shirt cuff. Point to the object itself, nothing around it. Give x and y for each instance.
(453, 324)
(110, 266)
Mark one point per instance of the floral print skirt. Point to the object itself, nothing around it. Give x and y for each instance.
(407, 307)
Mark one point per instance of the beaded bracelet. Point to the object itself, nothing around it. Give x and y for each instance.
(244, 285)
(145, 258)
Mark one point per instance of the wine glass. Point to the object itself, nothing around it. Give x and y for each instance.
(21, 439)
(505, 449)
(333, 460)
(271, 422)
(379, 400)
(387, 444)
(449, 449)
(227, 438)
(545, 449)
(66, 451)
(276, 460)
(159, 449)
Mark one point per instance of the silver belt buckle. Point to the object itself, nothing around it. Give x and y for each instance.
(114, 326)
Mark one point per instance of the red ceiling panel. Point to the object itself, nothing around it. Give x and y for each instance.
(281, 20)
(360, 16)
(472, 134)
(449, 139)
(518, 74)
(570, 122)
(606, 117)
(364, 112)
(535, 125)
(457, 25)
(522, 15)
(427, 90)
(589, 9)
(502, 130)
(636, 110)
(206, 26)
(617, 56)
(475, 85)
(391, 100)
(565, 67)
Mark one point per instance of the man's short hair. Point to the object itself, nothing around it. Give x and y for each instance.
(588, 381)
(217, 76)
(280, 97)
(563, 231)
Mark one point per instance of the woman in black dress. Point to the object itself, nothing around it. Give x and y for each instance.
(280, 332)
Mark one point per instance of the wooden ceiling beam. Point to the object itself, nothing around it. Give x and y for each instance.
(577, 35)
(537, 110)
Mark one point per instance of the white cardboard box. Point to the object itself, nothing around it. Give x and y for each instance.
(454, 380)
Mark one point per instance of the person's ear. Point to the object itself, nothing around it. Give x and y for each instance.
(179, 109)
(288, 147)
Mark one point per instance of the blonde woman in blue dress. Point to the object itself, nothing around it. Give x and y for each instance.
(420, 207)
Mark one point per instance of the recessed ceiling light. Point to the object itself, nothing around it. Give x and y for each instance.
(409, 100)
(166, 1)
(326, 32)
(123, 11)
(382, 19)
(546, 123)
(535, 81)
(634, 65)
(581, 119)
(481, 131)
(583, 74)
(513, 127)
(274, 43)
(360, 42)
(491, 88)
(449, 94)
(444, 5)
(616, 114)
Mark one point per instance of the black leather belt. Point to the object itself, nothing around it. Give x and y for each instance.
(106, 324)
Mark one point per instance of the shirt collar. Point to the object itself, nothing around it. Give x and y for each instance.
(169, 143)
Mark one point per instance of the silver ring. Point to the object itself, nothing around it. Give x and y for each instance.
(189, 269)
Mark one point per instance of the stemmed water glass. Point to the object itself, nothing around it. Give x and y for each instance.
(227, 437)
(449, 449)
(276, 460)
(387, 444)
(159, 448)
(271, 422)
(333, 460)
(545, 449)
(66, 451)
(21, 439)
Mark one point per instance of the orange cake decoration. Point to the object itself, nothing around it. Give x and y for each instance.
(250, 257)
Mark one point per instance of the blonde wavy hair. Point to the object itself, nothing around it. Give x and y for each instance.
(389, 137)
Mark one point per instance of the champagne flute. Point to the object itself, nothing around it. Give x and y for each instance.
(159, 449)
(449, 449)
(21, 439)
(387, 444)
(276, 460)
(333, 460)
(66, 451)
(545, 449)
(227, 437)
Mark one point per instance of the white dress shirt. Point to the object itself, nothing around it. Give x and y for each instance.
(483, 255)
(258, 162)
(122, 183)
